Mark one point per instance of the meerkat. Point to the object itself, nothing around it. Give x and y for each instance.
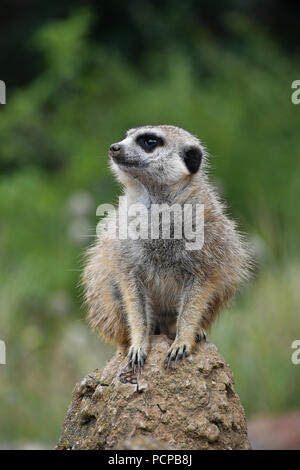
(138, 287)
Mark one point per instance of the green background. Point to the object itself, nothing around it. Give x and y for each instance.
(78, 75)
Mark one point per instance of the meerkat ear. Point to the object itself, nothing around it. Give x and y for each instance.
(192, 157)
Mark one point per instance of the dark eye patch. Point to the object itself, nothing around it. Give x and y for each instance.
(149, 142)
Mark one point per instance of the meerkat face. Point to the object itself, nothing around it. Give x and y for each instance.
(157, 154)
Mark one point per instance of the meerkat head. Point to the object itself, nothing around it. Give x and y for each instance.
(157, 155)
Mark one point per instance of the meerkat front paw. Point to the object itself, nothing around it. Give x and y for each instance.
(137, 356)
(178, 350)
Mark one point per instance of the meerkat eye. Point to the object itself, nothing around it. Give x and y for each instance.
(149, 142)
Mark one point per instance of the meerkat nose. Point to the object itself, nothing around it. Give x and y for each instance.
(114, 150)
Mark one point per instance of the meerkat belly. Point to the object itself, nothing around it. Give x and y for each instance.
(166, 273)
(163, 292)
(163, 289)
(164, 268)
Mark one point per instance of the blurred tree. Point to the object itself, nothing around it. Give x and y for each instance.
(136, 29)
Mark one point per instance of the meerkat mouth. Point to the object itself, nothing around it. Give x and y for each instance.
(129, 163)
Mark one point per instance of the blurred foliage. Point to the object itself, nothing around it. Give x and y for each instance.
(135, 29)
(54, 134)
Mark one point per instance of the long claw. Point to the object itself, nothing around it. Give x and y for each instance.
(169, 361)
(129, 357)
(166, 360)
(176, 353)
(201, 336)
(136, 359)
(177, 357)
(184, 352)
(133, 361)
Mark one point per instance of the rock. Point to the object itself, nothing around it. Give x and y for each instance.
(190, 406)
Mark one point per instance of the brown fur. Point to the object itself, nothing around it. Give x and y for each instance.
(133, 288)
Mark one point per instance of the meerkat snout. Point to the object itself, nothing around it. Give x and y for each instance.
(114, 150)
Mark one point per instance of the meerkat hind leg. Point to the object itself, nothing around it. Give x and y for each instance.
(201, 335)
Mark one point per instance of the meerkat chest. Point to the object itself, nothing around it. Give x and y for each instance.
(163, 266)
